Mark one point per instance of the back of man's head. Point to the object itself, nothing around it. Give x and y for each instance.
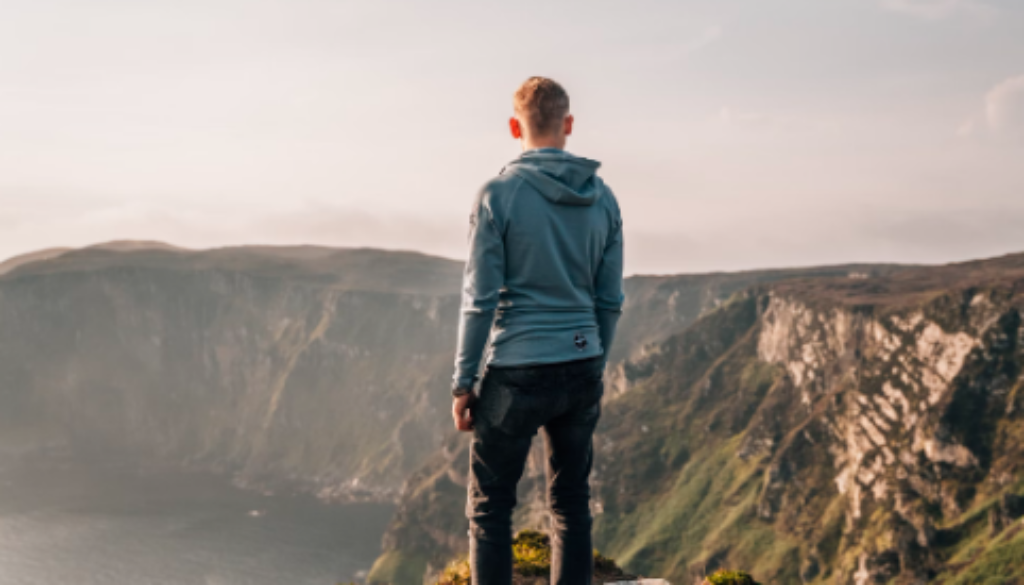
(542, 105)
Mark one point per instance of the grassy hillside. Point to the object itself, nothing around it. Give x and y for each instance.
(288, 368)
(844, 430)
(302, 367)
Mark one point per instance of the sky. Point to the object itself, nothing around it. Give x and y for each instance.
(736, 134)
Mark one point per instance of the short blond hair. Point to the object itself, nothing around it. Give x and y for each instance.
(542, 104)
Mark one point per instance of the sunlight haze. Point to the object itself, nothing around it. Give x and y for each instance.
(735, 134)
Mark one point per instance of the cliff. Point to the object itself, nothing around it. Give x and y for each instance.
(293, 368)
(848, 424)
(817, 430)
(306, 368)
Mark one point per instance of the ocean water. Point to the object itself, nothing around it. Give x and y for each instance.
(71, 523)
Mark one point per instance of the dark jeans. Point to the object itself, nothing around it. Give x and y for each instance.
(564, 402)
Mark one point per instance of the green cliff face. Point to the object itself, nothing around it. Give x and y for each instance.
(854, 424)
(313, 369)
(845, 430)
(305, 368)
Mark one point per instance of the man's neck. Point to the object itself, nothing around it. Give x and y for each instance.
(535, 144)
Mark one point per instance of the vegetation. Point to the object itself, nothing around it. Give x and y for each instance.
(999, 566)
(531, 553)
(799, 431)
(456, 572)
(725, 577)
(531, 559)
(398, 568)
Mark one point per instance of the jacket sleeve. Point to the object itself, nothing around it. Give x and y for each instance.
(608, 292)
(482, 282)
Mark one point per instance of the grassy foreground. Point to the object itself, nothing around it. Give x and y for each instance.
(531, 556)
(531, 563)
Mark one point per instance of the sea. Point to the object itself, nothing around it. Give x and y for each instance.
(69, 522)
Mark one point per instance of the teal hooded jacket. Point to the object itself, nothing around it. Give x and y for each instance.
(543, 283)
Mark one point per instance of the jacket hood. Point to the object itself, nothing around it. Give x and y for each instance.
(559, 176)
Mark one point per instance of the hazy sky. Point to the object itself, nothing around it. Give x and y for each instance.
(736, 134)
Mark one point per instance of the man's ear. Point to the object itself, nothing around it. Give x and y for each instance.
(567, 124)
(513, 126)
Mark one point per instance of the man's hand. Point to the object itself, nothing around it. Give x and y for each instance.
(461, 413)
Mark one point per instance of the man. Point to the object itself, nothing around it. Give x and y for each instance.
(543, 285)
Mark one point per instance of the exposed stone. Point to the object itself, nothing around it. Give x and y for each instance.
(1009, 509)
(877, 568)
(810, 568)
(867, 439)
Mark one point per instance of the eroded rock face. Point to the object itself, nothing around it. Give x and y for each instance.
(889, 394)
(1010, 508)
(837, 431)
(804, 440)
(904, 369)
(306, 368)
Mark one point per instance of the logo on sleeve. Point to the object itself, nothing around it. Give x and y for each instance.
(580, 341)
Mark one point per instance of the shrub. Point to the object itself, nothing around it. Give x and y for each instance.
(531, 557)
(724, 577)
(531, 553)
(456, 573)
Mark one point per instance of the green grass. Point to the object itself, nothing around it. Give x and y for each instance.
(456, 572)
(398, 568)
(709, 508)
(531, 558)
(759, 375)
(1002, 564)
(531, 553)
(725, 577)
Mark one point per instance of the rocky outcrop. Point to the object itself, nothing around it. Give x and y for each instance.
(808, 425)
(847, 431)
(889, 395)
(305, 368)
(1009, 509)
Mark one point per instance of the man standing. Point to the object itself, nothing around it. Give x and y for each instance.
(543, 285)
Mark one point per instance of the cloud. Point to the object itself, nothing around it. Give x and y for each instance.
(1004, 107)
(940, 9)
(1002, 114)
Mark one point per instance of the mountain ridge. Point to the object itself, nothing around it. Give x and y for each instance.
(380, 269)
(239, 345)
(326, 371)
(846, 431)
